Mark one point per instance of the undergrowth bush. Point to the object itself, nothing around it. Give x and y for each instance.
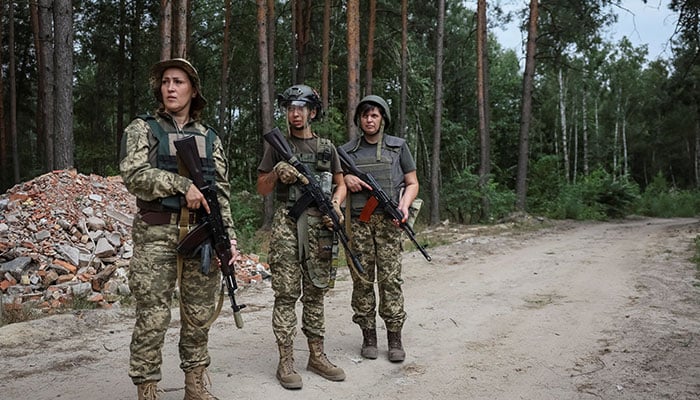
(462, 199)
(660, 201)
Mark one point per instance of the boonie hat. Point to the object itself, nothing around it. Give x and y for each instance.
(157, 70)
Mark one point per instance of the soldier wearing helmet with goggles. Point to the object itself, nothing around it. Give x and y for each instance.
(301, 250)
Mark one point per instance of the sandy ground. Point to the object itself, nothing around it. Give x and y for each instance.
(569, 311)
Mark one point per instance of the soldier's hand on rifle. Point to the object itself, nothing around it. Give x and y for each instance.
(336, 208)
(288, 174)
(236, 255)
(196, 199)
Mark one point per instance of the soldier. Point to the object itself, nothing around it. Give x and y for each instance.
(377, 242)
(150, 171)
(300, 254)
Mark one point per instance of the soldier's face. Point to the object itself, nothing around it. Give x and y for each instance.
(299, 116)
(177, 91)
(371, 121)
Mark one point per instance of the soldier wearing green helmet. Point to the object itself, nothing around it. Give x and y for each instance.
(376, 239)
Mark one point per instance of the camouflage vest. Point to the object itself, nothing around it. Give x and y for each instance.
(386, 169)
(162, 155)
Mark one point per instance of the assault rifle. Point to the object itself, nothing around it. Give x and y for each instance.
(211, 230)
(312, 193)
(382, 199)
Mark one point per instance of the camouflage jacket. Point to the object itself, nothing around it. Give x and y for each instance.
(149, 183)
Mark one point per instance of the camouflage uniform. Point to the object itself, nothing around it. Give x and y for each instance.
(377, 242)
(153, 268)
(292, 278)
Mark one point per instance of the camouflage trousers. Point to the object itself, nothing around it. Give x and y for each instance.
(377, 243)
(292, 278)
(152, 280)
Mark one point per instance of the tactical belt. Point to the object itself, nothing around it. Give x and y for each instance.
(164, 217)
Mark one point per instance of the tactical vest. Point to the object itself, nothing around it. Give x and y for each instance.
(162, 155)
(319, 164)
(386, 170)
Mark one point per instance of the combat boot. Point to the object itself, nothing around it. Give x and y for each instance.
(396, 353)
(196, 382)
(319, 364)
(288, 377)
(148, 390)
(369, 344)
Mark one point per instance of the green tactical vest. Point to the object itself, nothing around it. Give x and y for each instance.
(317, 163)
(162, 155)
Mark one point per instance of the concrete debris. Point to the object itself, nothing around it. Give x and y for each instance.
(67, 236)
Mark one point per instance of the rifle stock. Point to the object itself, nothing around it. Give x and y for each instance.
(211, 227)
(313, 190)
(388, 204)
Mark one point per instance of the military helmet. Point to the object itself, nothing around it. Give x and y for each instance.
(377, 102)
(157, 70)
(304, 95)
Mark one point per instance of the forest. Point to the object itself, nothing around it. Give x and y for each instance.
(588, 129)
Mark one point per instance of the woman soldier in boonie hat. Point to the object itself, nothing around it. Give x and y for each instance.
(167, 199)
(198, 101)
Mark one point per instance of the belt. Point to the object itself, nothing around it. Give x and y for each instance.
(164, 217)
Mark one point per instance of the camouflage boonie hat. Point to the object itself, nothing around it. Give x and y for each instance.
(157, 70)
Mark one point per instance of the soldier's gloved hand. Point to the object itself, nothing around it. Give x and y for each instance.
(288, 174)
(338, 212)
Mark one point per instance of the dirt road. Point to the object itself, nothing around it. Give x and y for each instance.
(572, 311)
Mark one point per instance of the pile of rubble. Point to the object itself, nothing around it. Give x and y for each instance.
(65, 235)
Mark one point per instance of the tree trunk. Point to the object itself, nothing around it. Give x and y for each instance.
(564, 135)
(369, 62)
(697, 153)
(325, 56)
(12, 78)
(41, 89)
(625, 165)
(223, 80)
(3, 132)
(584, 128)
(483, 104)
(179, 49)
(526, 109)
(63, 54)
(403, 117)
(47, 75)
(437, 128)
(302, 32)
(353, 16)
(265, 96)
(121, 77)
(137, 53)
(166, 29)
(271, 29)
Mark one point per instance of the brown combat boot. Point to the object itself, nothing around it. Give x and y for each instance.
(288, 377)
(319, 364)
(148, 390)
(396, 353)
(369, 344)
(196, 382)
